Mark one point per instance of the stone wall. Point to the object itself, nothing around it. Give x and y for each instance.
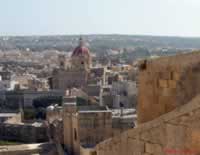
(167, 83)
(177, 132)
(23, 133)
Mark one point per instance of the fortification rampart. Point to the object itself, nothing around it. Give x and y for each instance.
(177, 132)
(166, 83)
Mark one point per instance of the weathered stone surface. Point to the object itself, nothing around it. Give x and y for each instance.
(195, 140)
(167, 133)
(177, 83)
(153, 149)
(124, 143)
(176, 136)
(163, 83)
(155, 135)
(172, 84)
(171, 126)
(135, 147)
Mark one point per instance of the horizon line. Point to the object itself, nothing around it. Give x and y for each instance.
(100, 34)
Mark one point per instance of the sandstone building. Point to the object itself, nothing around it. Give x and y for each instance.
(76, 74)
(85, 128)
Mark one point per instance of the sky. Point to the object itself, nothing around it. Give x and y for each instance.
(133, 17)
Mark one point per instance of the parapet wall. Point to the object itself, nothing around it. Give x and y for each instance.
(177, 132)
(166, 83)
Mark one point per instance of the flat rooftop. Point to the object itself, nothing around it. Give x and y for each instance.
(26, 148)
(69, 103)
(126, 116)
(8, 114)
(95, 111)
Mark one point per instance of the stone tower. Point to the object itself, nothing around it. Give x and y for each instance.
(68, 110)
(62, 61)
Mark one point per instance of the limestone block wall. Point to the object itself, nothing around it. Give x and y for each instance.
(177, 132)
(167, 83)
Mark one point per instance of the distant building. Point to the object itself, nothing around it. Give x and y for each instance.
(85, 128)
(10, 118)
(75, 75)
(6, 81)
(31, 82)
(25, 98)
(124, 94)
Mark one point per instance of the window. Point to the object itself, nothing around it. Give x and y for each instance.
(62, 64)
(125, 93)
(75, 134)
(121, 105)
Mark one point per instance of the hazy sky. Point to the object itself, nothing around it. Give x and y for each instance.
(150, 17)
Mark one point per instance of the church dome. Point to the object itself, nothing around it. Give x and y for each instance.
(81, 50)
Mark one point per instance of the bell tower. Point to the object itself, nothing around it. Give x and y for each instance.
(62, 61)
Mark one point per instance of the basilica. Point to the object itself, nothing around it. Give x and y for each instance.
(78, 73)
